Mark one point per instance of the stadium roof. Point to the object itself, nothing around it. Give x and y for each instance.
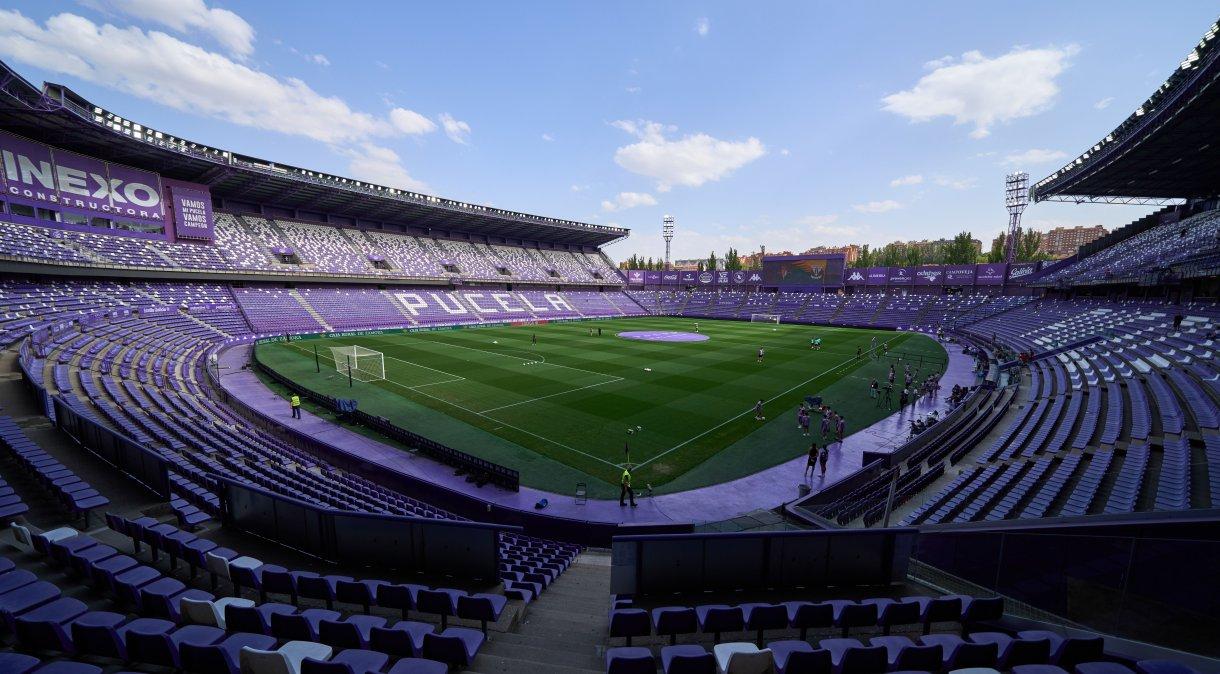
(57, 116)
(1168, 149)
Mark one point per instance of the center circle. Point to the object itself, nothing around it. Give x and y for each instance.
(663, 336)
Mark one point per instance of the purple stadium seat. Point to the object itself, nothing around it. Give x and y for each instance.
(319, 587)
(671, 621)
(402, 639)
(350, 661)
(798, 657)
(153, 643)
(962, 654)
(629, 623)
(441, 601)
(1102, 668)
(761, 617)
(301, 626)
(98, 633)
(399, 596)
(254, 619)
(418, 666)
(892, 612)
(902, 653)
(482, 607)
(718, 618)
(849, 656)
(849, 614)
(350, 633)
(687, 659)
(1068, 651)
(17, 663)
(1163, 667)
(630, 660)
(66, 667)
(1012, 651)
(456, 646)
(222, 657)
(362, 592)
(46, 628)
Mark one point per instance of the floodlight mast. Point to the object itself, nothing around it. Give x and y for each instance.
(667, 233)
(1016, 198)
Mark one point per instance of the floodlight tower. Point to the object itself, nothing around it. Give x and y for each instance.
(667, 233)
(1016, 198)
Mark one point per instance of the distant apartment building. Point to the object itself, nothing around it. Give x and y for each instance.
(850, 251)
(1061, 242)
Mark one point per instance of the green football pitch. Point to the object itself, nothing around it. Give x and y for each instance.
(560, 411)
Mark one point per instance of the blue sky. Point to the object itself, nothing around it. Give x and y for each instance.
(787, 124)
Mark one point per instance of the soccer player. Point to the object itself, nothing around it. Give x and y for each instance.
(812, 343)
(840, 429)
(823, 457)
(872, 388)
(761, 353)
(817, 344)
(534, 339)
(758, 409)
(812, 460)
(696, 328)
(889, 396)
(858, 352)
(805, 424)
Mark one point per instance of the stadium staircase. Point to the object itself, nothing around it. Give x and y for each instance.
(292, 292)
(838, 310)
(881, 307)
(399, 306)
(804, 305)
(564, 630)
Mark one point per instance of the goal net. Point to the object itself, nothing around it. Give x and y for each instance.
(764, 318)
(365, 364)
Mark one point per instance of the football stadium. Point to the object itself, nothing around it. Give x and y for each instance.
(263, 418)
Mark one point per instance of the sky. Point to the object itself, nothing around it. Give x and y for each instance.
(785, 124)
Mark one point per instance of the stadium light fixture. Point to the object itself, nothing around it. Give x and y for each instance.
(1016, 198)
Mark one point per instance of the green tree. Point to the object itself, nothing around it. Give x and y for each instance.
(732, 260)
(998, 246)
(1028, 245)
(961, 250)
(865, 259)
(711, 262)
(891, 255)
(913, 256)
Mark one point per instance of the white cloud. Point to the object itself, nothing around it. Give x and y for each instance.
(410, 122)
(579, 188)
(825, 224)
(985, 91)
(913, 179)
(319, 59)
(457, 130)
(938, 63)
(703, 26)
(163, 69)
(1104, 103)
(878, 206)
(626, 200)
(548, 137)
(1034, 156)
(382, 166)
(784, 152)
(633, 90)
(955, 183)
(382, 64)
(226, 28)
(690, 161)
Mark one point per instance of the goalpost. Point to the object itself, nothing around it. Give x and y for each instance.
(365, 364)
(764, 318)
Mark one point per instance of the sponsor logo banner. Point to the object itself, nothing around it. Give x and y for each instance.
(856, 277)
(669, 278)
(739, 277)
(990, 274)
(706, 278)
(878, 276)
(652, 278)
(901, 276)
(927, 275)
(959, 275)
(39, 174)
(1021, 270)
(688, 277)
(723, 278)
(635, 277)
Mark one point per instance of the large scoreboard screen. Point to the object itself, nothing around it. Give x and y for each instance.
(803, 270)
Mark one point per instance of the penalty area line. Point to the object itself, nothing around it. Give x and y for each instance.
(735, 418)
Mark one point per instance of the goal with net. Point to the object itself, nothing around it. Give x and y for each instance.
(764, 318)
(364, 364)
